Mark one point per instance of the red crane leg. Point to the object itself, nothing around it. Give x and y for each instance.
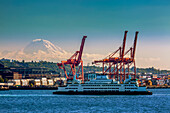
(135, 69)
(64, 70)
(117, 72)
(109, 68)
(114, 71)
(74, 72)
(82, 71)
(120, 72)
(103, 68)
(128, 70)
(124, 70)
(72, 69)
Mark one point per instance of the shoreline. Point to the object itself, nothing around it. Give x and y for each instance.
(158, 87)
(55, 88)
(33, 88)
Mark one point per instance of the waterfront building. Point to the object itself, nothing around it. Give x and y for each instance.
(17, 82)
(50, 82)
(24, 82)
(37, 82)
(44, 81)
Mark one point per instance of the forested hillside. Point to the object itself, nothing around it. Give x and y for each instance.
(51, 66)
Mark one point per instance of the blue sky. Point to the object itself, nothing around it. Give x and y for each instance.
(64, 22)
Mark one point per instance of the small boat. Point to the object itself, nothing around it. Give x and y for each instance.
(2, 88)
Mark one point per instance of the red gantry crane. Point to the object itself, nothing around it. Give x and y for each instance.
(118, 67)
(74, 62)
(112, 63)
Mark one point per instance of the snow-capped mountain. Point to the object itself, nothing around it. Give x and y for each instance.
(38, 49)
(42, 45)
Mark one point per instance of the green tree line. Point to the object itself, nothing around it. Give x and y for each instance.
(51, 66)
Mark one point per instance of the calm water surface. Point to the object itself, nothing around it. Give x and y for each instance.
(45, 101)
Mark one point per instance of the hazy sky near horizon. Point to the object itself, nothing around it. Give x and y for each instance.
(64, 22)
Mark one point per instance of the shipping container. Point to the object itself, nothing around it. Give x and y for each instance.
(37, 82)
(44, 83)
(50, 82)
(24, 82)
(17, 82)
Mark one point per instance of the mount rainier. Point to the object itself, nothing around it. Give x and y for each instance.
(40, 49)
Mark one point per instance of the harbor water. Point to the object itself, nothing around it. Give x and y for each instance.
(45, 101)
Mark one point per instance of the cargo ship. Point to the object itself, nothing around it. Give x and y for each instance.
(103, 86)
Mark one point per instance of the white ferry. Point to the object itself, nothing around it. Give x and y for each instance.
(103, 86)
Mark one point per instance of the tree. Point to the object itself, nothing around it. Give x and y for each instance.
(1, 79)
(23, 61)
(6, 80)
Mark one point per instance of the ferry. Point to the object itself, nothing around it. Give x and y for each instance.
(103, 86)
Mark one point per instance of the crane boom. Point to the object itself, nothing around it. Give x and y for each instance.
(134, 45)
(124, 42)
(81, 48)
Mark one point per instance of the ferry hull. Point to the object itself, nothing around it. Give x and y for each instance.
(103, 93)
